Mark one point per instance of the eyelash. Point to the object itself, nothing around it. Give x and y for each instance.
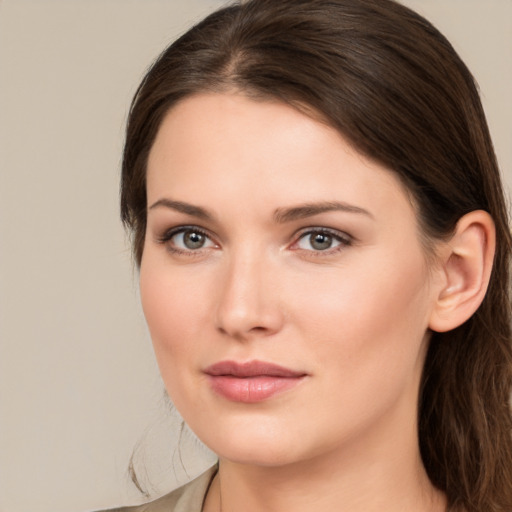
(344, 239)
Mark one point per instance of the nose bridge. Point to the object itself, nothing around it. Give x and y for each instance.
(248, 303)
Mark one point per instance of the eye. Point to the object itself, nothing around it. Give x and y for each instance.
(322, 239)
(190, 239)
(186, 239)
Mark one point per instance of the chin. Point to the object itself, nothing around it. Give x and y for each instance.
(265, 445)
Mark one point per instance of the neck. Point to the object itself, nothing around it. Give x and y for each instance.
(375, 473)
(315, 488)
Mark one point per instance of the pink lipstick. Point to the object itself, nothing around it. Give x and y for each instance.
(251, 382)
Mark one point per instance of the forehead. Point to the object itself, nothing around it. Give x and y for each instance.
(218, 148)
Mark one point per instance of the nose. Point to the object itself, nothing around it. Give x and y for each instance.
(249, 303)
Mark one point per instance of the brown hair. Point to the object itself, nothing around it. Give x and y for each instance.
(396, 89)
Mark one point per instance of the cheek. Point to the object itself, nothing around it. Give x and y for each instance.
(371, 321)
(368, 342)
(171, 305)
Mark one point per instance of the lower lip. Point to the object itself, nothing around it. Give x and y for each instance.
(251, 389)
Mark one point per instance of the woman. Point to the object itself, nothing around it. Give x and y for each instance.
(324, 249)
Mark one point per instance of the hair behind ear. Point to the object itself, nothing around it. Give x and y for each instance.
(464, 408)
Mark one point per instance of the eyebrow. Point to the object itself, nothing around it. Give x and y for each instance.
(186, 208)
(281, 215)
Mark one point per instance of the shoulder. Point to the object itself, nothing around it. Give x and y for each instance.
(188, 498)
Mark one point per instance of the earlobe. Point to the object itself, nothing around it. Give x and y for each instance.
(466, 264)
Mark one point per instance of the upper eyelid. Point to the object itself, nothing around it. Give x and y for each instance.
(322, 229)
(169, 233)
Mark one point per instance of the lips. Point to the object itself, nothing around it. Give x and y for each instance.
(251, 382)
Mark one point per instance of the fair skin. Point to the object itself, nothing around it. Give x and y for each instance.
(270, 239)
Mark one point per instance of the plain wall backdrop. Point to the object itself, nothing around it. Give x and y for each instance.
(79, 387)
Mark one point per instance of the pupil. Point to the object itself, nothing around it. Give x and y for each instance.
(193, 240)
(321, 241)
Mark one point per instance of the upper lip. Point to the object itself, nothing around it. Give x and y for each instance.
(251, 369)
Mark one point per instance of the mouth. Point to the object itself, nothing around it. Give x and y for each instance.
(251, 382)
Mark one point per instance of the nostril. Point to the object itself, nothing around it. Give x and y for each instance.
(244, 327)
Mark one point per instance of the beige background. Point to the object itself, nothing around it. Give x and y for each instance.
(78, 383)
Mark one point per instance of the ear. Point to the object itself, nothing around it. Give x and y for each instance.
(465, 267)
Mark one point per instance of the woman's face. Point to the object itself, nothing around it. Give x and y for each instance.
(283, 282)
